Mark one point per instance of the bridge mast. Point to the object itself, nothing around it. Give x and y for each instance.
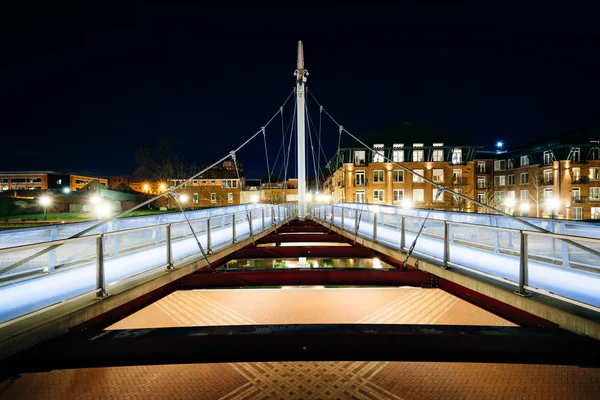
(301, 76)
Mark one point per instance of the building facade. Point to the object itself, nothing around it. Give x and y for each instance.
(559, 178)
(554, 179)
(44, 180)
(364, 176)
(209, 192)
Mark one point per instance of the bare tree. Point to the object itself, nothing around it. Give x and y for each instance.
(535, 179)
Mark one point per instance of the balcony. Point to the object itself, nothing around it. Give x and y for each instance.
(481, 186)
(579, 199)
(547, 182)
(460, 181)
(580, 179)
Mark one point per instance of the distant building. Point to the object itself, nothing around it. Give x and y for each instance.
(44, 180)
(558, 178)
(363, 176)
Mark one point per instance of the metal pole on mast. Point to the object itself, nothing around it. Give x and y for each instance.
(301, 77)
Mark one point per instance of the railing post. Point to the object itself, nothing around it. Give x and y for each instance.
(250, 223)
(262, 211)
(272, 216)
(375, 226)
(446, 244)
(402, 233)
(100, 281)
(116, 228)
(496, 234)
(169, 247)
(208, 238)
(52, 260)
(523, 267)
(233, 228)
(565, 246)
(355, 222)
(158, 230)
(332, 214)
(343, 227)
(278, 214)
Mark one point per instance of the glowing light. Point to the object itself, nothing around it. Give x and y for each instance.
(553, 203)
(163, 187)
(524, 206)
(183, 198)
(509, 203)
(406, 203)
(499, 144)
(45, 201)
(377, 263)
(94, 199)
(146, 187)
(254, 198)
(66, 190)
(102, 210)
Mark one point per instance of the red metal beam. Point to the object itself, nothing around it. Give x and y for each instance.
(513, 314)
(312, 277)
(303, 237)
(302, 228)
(304, 251)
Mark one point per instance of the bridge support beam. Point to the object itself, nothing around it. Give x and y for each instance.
(323, 342)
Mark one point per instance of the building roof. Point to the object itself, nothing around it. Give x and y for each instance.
(409, 132)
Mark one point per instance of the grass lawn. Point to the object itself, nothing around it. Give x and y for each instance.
(50, 216)
(77, 216)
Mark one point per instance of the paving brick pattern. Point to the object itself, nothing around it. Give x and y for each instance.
(310, 380)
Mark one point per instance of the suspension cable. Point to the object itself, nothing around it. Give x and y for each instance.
(268, 166)
(173, 193)
(312, 148)
(414, 243)
(152, 199)
(320, 171)
(237, 171)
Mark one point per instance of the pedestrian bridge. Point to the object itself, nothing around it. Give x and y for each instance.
(50, 282)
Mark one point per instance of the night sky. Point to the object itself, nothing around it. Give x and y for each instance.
(83, 86)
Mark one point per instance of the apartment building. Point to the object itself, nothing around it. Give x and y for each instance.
(44, 180)
(364, 176)
(209, 192)
(559, 178)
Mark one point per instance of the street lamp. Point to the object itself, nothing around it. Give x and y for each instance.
(163, 187)
(146, 187)
(66, 190)
(183, 198)
(499, 146)
(45, 201)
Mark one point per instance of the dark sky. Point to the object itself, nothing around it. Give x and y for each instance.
(83, 86)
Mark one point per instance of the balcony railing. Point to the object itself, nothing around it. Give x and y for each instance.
(548, 182)
(579, 199)
(459, 181)
(581, 179)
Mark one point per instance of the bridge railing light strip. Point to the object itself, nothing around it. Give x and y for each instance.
(505, 254)
(119, 256)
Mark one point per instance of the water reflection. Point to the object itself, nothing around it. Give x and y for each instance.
(271, 263)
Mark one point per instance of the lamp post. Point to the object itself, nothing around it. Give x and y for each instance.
(45, 202)
(499, 146)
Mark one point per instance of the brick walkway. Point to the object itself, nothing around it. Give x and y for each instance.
(310, 380)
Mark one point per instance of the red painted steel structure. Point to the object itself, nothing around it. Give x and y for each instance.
(302, 276)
